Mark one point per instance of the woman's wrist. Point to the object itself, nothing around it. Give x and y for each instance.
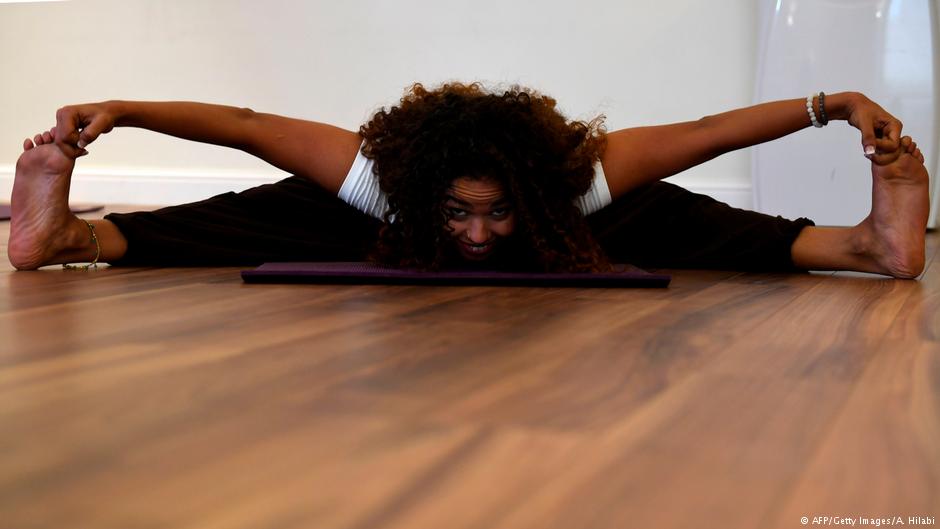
(119, 112)
(839, 105)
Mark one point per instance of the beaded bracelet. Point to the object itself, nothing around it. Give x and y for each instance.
(94, 262)
(809, 110)
(823, 118)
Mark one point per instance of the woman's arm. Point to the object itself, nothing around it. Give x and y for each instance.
(322, 153)
(642, 155)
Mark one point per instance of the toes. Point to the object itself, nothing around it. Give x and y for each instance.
(37, 139)
(908, 145)
(27, 144)
(919, 155)
(46, 137)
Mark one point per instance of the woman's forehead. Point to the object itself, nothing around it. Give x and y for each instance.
(477, 190)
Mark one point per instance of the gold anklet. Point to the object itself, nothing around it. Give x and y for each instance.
(94, 262)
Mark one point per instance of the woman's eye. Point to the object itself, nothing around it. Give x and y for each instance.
(457, 212)
(499, 212)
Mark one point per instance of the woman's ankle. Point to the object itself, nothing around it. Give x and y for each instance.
(824, 248)
(78, 244)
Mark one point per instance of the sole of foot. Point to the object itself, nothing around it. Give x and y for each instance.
(41, 224)
(898, 220)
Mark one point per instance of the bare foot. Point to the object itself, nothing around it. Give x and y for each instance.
(41, 224)
(895, 228)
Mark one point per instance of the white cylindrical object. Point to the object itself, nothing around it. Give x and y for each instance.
(882, 48)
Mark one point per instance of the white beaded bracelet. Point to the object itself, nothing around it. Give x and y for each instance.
(809, 110)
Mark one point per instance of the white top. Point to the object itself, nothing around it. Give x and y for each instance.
(361, 190)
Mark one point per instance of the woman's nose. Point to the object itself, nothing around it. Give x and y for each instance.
(478, 233)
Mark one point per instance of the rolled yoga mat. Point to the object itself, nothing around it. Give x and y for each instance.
(5, 210)
(360, 273)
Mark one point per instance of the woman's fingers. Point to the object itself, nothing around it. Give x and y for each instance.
(885, 158)
(885, 145)
(886, 139)
(881, 132)
(67, 125)
(891, 129)
(869, 141)
(99, 125)
(79, 125)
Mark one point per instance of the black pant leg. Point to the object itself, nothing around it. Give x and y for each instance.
(662, 225)
(291, 220)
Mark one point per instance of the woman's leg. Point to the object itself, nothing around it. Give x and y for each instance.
(665, 226)
(290, 220)
(662, 225)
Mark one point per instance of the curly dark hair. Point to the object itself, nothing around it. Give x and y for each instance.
(517, 138)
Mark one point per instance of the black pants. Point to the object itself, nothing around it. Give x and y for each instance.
(657, 226)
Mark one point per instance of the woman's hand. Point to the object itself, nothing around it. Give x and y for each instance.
(881, 132)
(79, 125)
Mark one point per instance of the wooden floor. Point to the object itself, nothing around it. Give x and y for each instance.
(144, 398)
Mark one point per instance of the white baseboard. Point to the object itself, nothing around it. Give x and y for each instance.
(163, 188)
(147, 187)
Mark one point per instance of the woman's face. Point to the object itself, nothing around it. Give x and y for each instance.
(480, 216)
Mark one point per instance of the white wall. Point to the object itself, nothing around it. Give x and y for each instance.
(336, 62)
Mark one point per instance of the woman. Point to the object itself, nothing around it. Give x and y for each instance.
(461, 176)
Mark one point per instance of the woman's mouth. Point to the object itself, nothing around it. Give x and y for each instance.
(477, 250)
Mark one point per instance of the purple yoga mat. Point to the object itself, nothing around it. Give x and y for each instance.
(368, 273)
(5, 210)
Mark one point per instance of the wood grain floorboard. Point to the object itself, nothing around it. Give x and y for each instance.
(141, 397)
(881, 454)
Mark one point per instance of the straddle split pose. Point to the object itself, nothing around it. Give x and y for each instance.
(462, 176)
